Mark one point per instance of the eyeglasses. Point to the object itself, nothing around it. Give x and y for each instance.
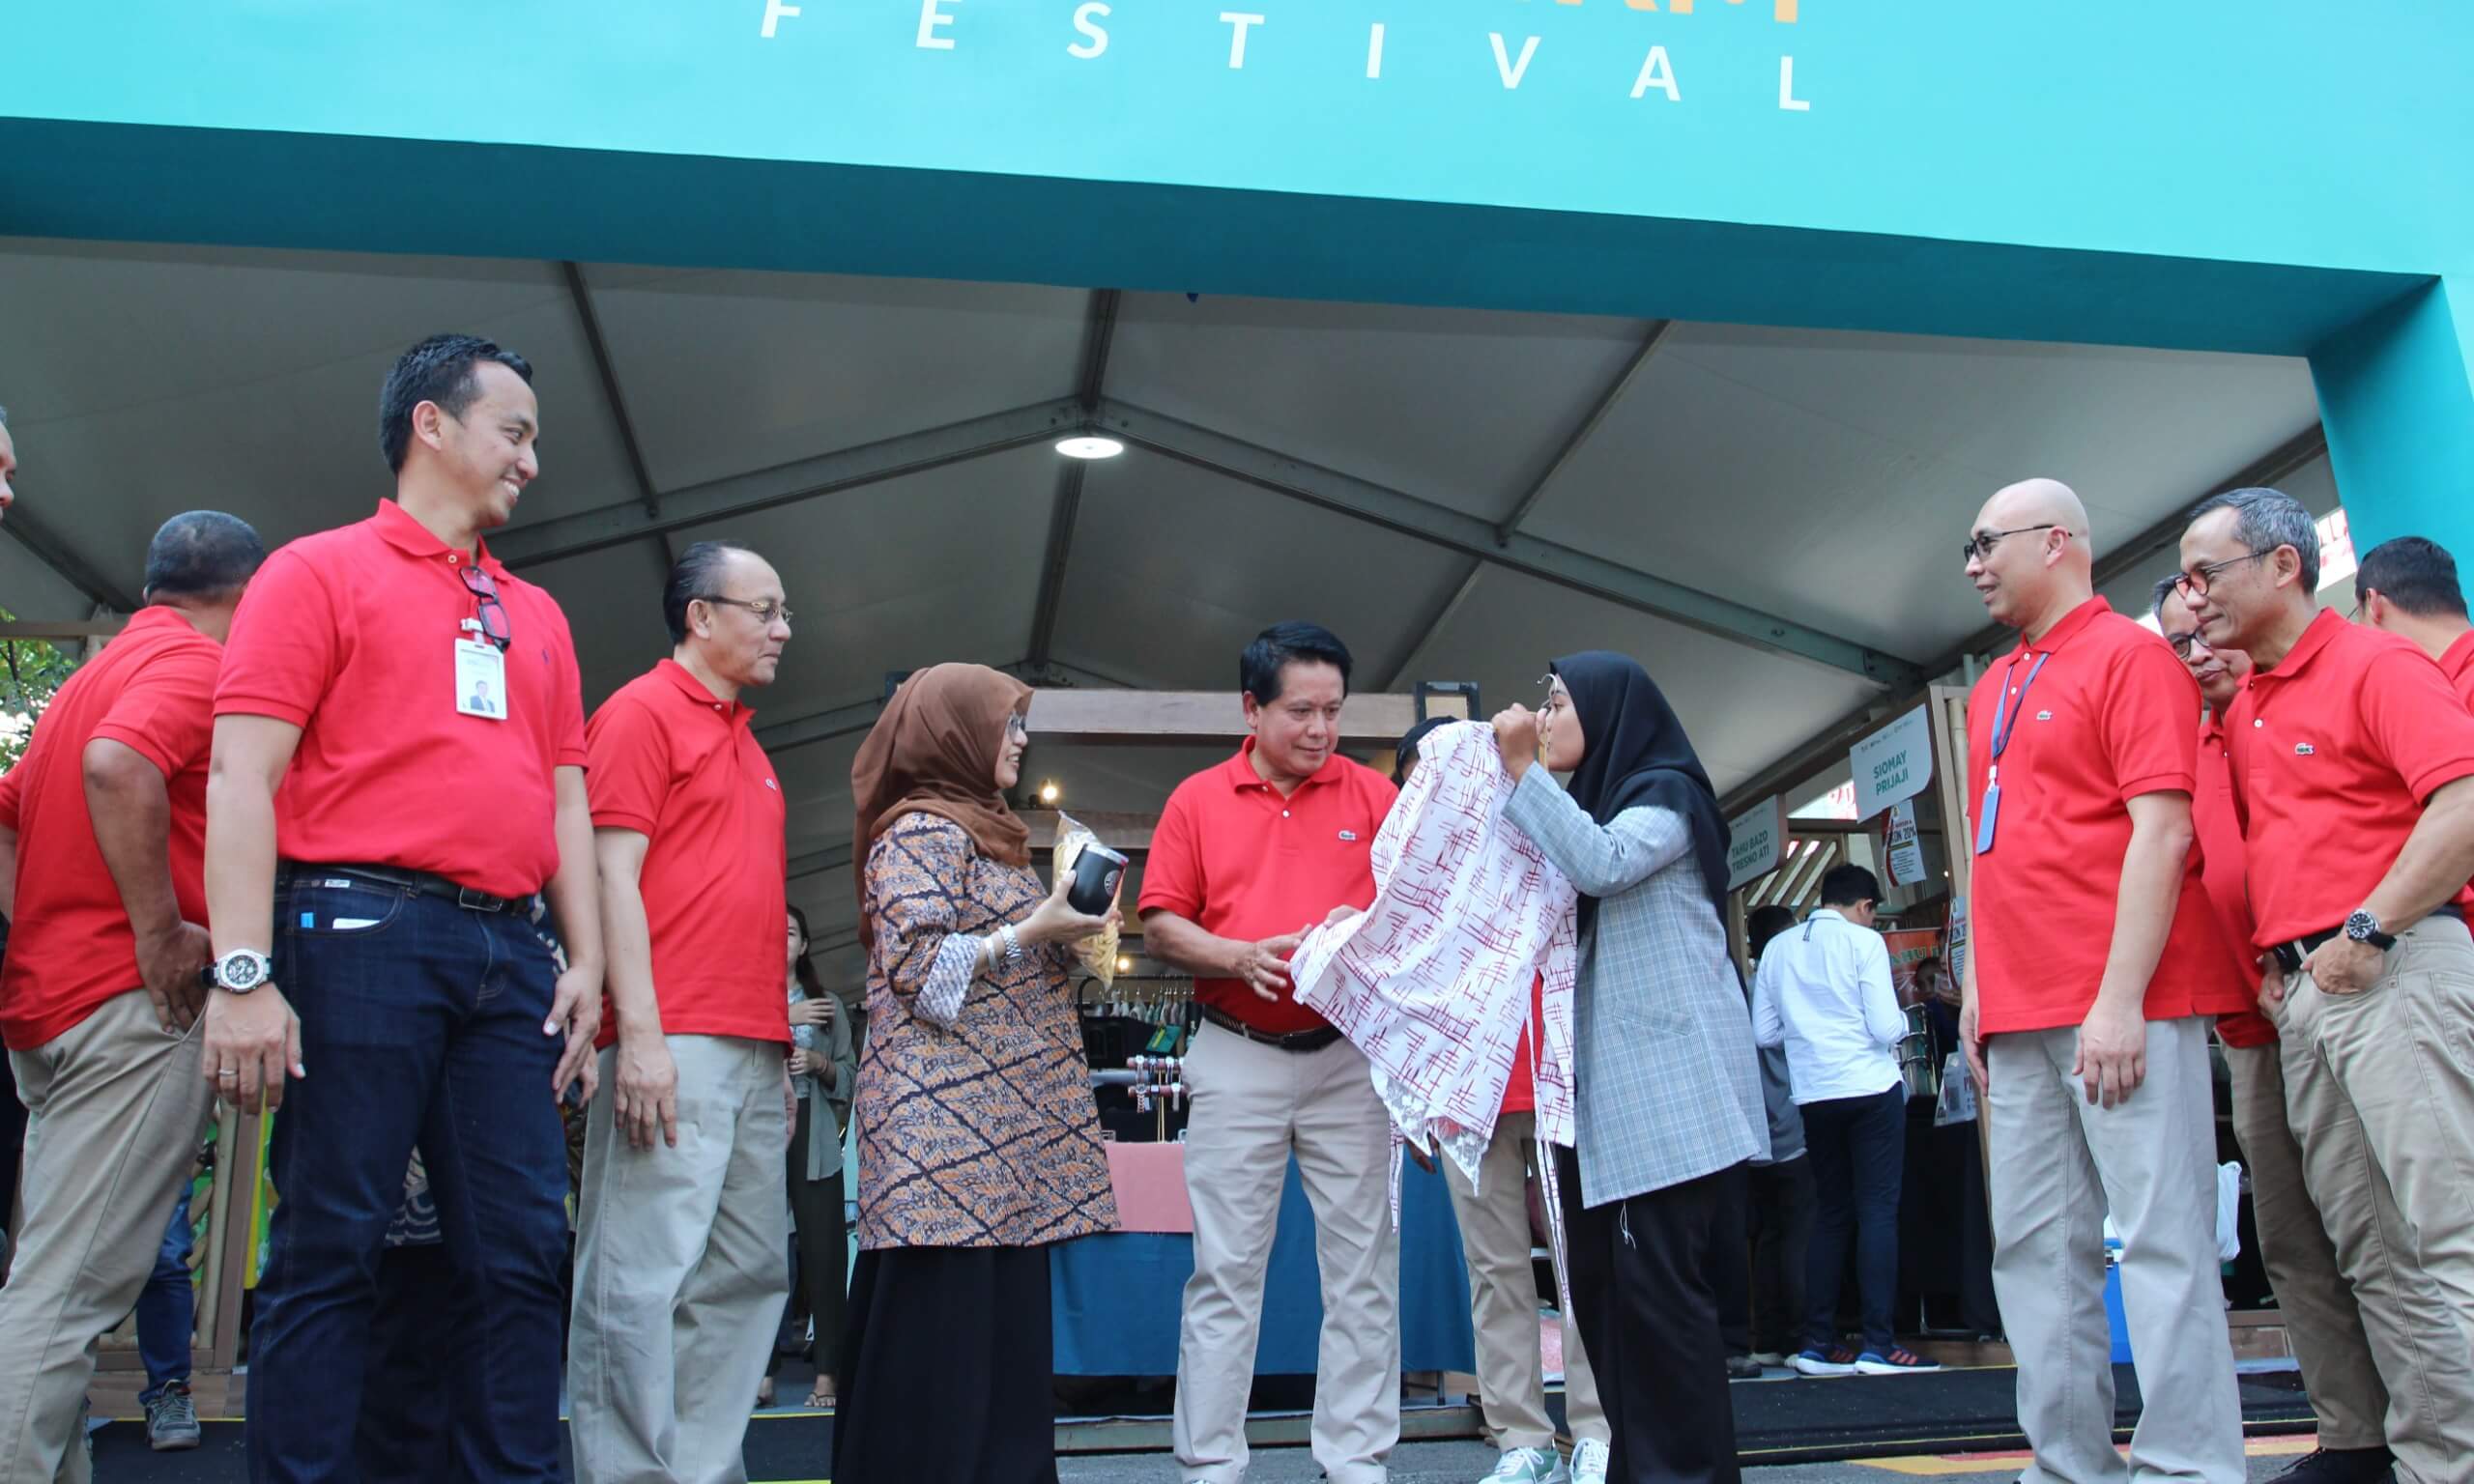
(1979, 547)
(492, 614)
(2185, 643)
(2195, 583)
(765, 610)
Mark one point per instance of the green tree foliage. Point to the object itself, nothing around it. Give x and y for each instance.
(31, 672)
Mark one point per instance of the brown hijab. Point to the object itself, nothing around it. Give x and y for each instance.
(934, 751)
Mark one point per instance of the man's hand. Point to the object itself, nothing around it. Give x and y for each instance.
(2271, 985)
(2112, 1053)
(575, 1007)
(816, 1009)
(1340, 914)
(2343, 966)
(1264, 965)
(252, 1043)
(1971, 1042)
(168, 964)
(644, 1091)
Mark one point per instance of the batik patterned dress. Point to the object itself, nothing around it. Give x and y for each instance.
(976, 1125)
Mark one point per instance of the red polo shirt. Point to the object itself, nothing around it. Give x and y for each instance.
(71, 946)
(2111, 716)
(350, 636)
(2335, 751)
(1234, 856)
(2229, 895)
(2456, 662)
(683, 769)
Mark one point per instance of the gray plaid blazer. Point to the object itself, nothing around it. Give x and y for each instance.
(1668, 1083)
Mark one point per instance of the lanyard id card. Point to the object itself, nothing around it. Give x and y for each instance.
(481, 680)
(2005, 720)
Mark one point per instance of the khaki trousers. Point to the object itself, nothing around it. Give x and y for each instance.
(682, 1260)
(117, 1105)
(2058, 1164)
(2381, 1088)
(1253, 1106)
(2321, 1320)
(1502, 1298)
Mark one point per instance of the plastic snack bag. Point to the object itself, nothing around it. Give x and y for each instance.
(1099, 953)
(1957, 1101)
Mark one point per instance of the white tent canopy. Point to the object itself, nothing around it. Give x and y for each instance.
(1459, 495)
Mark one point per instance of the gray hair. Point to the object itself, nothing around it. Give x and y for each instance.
(2264, 519)
(2167, 587)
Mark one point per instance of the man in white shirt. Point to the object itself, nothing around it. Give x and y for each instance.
(1823, 991)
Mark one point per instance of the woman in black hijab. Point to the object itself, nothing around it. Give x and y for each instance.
(1666, 1083)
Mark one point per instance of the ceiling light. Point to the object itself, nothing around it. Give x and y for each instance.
(1050, 793)
(1089, 445)
(1125, 965)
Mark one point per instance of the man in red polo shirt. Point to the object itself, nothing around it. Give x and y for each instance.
(2087, 999)
(376, 845)
(104, 819)
(2408, 588)
(681, 1233)
(1248, 856)
(2353, 771)
(2323, 1319)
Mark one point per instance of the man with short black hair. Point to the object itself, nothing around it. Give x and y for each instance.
(2408, 587)
(1248, 856)
(105, 819)
(2323, 1323)
(682, 1226)
(1825, 993)
(402, 840)
(2352, 765)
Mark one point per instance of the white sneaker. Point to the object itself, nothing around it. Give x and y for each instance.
(1529, 1465)
(1589, 1462)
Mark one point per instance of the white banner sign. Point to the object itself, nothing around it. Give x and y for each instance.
(1905, 849)
(1892, 764)
(1756, 841)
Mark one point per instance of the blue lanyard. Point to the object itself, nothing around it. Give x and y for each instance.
(2005, 718)
(2006, 714)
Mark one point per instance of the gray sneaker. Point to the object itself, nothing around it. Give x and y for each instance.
(171, 1420)
(1529, 1465)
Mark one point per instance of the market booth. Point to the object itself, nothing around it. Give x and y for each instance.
(1483, 333)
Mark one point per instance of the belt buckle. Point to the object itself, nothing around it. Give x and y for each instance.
(471, 900)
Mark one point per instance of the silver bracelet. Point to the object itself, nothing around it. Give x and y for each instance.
(1013, 943)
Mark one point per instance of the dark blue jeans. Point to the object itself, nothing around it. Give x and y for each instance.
(167, 1308)
(1859, 1148)
(420, 1022)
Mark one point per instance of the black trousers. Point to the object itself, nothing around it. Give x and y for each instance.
(1782, 1233)
(821, 1246)
(1859, 1148)
(1649, 1314)
(949, 1369)
(406, 1433)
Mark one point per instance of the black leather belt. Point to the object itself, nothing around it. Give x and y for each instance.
(1295, 1041)
(2290, 954)
(420, 882)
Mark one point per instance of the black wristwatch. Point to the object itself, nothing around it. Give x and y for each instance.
(2363, 928)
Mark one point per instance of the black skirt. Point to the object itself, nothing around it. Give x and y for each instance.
(947, 1371)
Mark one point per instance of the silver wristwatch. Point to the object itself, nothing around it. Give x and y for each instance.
(240, 971)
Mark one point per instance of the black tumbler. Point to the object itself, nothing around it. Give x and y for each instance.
(1097, 872)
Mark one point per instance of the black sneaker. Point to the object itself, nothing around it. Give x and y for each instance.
(2342, 1465)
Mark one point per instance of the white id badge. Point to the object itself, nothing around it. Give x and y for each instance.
(481, 680)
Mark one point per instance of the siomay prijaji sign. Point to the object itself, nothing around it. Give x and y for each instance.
(1083, 31)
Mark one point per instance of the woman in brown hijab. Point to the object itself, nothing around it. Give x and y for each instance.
(979, 1142)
